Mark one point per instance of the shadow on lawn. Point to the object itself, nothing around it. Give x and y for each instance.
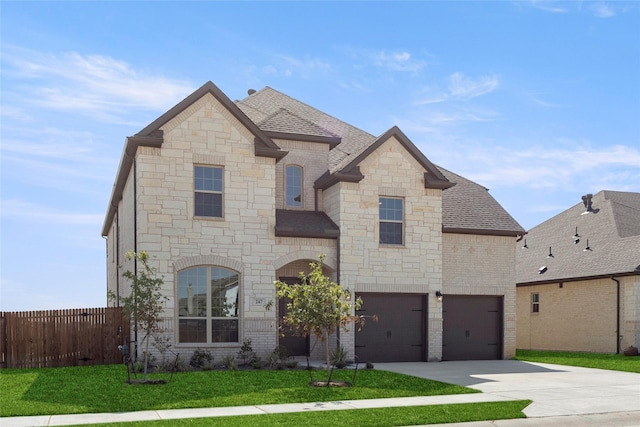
(104, 389)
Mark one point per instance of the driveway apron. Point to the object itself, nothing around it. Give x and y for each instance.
(554, 389)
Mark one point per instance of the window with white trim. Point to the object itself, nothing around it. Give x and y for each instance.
(535, 303)
(293, 186)
(208, 305)
(207, 182)
(391, 220)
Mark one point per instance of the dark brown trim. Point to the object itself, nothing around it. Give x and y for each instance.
(209, 87)
(332, 141)
(289, 232)
(433, 177)
(261, 151)
(327, 179)
(430, 182)
(126, 162)
(577, 279)
(482, 232)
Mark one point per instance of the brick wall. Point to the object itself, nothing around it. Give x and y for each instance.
(483, 265)
(579, 316)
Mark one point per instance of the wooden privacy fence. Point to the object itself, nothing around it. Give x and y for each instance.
(52, 338)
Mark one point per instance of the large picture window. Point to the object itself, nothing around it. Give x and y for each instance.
(391, 218)
(208, 305)
(208, 191)
(293, 186)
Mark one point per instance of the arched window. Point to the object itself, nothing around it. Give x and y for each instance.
(293, 186)
(208, 305)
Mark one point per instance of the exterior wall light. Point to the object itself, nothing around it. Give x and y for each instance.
(439, 296)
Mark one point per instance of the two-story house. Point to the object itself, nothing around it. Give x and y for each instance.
(228, 197)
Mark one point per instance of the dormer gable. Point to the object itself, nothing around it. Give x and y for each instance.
(264, 146)
(350, 170)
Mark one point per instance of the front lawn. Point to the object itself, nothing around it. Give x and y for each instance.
(377, 417)
(614, 362)
(74, 390)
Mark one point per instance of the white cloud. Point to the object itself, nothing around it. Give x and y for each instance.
(396, 61)
(548, 6)
(602, 10)
(608, 167)
(466, 87)
(97, 85)
(291, 65)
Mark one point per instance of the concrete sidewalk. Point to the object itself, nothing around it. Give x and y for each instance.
(562, 396)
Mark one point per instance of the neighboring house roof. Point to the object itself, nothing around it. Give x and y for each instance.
(310, 224)
(611, 232)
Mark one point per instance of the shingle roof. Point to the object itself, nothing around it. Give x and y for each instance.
(467, 207)
(287, 122)
(612, 233)
(309, 224)
(265, 102)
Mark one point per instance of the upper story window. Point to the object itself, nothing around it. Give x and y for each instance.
(535, 303)
(208, 191)
(208, 305)
(293, 186)
(391, 220)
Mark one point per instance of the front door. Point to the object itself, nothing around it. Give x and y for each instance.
(296, 345)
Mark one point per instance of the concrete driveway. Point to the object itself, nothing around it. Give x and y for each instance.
(554, 389)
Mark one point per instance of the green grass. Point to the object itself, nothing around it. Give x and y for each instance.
(74, 390)
(378, 417)
(614, 362)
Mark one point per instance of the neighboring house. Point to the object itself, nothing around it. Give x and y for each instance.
(578, 277)
(228, 197)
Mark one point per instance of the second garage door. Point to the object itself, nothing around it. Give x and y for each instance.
(399, 334)
(472, 327)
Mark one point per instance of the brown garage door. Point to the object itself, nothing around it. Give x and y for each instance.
(472, 327)
(399, 334)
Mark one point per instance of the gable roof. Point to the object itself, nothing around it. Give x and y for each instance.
(152, 136)
(264, 103)
(611, 232)
(270, 114)
(468, 208)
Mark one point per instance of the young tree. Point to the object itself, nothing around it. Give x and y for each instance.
(318, 306)
(145, 303)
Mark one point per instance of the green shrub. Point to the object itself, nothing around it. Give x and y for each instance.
(338, 357)
(229, 362)
(201, 359)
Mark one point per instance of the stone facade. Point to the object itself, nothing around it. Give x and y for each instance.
(155, 213)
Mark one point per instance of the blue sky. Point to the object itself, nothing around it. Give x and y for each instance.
(537, 101)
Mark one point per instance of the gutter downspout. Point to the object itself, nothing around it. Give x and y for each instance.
(617, 314)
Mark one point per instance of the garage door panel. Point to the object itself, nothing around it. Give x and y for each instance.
(472, 327)
(399, 333)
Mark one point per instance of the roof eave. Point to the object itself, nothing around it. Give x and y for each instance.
(482, 231)
(155, 140)
(578, 279)
(329, 179)
(437, 184)
(332, 141)
(290, 232)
